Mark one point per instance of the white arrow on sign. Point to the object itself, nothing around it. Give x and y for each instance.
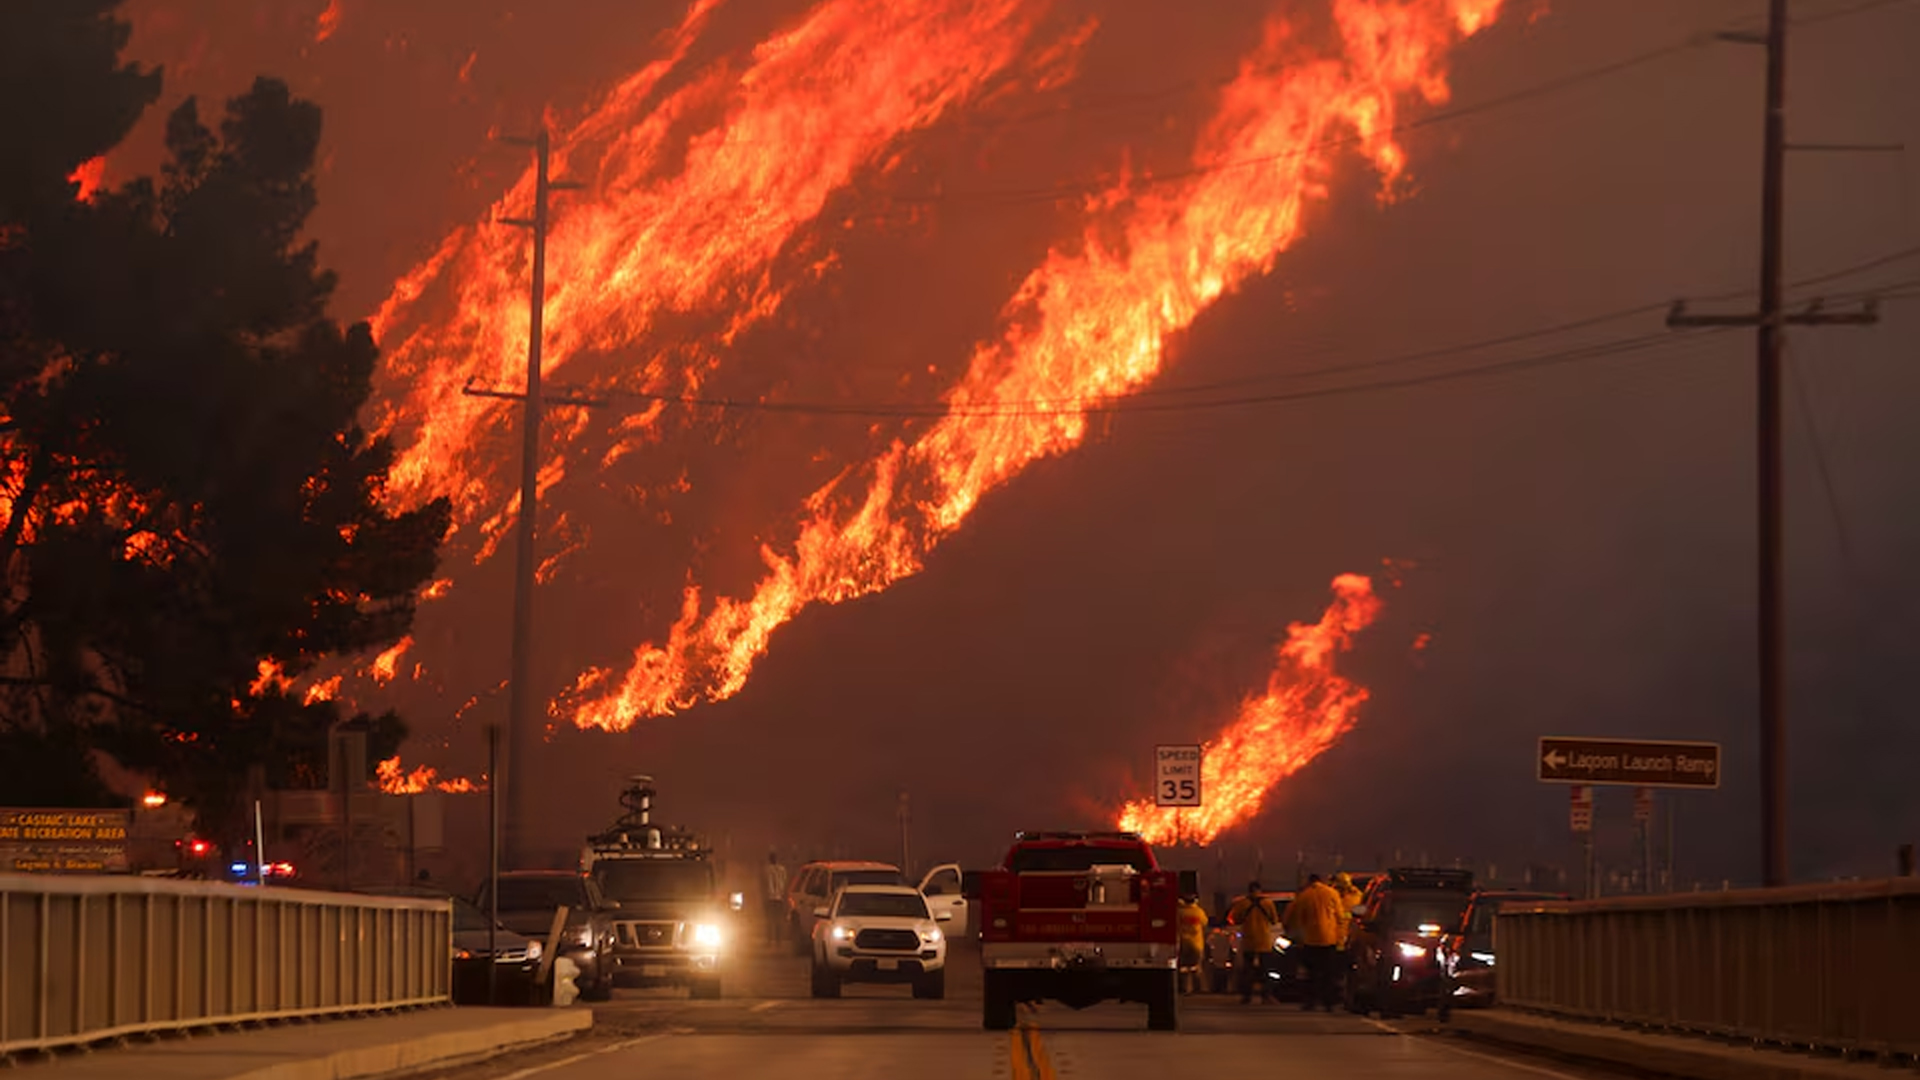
(1554, 759)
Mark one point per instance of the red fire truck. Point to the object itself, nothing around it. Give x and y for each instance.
(1078, 918)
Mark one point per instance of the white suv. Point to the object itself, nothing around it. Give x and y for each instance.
(880, 934)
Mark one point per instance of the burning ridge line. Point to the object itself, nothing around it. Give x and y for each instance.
(1085, 326)
(814, 106)
(1306, 707)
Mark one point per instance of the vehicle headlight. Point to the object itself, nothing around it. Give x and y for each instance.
(1283, 943)
(842, 933)
(1429, 929)
(1411, 951)
(706, 935)
(1484, 957)
(931, 936)
(463, 954)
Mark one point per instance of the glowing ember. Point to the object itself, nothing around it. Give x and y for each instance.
(328, 22)
(324, 690)
(387, 664)
(669, 223)
(396, 780)
(89, 178)
(1307, 706)
(272, 678)
(1085, 327)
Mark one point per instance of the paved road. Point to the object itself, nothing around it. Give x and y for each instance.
(769, 1027)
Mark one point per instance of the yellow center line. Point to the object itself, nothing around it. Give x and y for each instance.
(1028, 1053)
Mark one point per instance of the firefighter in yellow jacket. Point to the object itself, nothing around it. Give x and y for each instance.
(1314, 922)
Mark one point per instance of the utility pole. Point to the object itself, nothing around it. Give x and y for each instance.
(1771, 321)
(522, 724)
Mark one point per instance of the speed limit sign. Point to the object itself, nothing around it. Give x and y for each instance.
(1176, 775)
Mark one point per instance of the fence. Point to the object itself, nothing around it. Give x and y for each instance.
(1830, 966)
(84, 959)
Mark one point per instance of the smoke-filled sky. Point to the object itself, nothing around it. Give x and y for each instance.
(1581, 531)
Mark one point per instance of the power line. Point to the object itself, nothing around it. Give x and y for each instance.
(1127, 404)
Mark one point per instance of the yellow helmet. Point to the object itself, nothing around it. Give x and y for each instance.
(1343, 879)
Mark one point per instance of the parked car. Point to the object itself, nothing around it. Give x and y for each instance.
(879, 934)
(528, 901)
(1393, 943)
(814, 884)
(1466, 950)
(515, 957)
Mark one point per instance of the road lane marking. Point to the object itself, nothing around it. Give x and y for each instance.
(765, 1005)
(1030, 1052)
(1019, 1066)
(626, 1044)
(1509, 1063)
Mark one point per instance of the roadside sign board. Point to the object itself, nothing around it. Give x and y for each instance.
(1566, 759)
(1176, 775)
(55, 841)
(1580, 808)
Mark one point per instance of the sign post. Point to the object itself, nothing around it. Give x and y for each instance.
(1176, 780)
(1642, 764)
(1176, 775)
(55, 841)
(1580, 820)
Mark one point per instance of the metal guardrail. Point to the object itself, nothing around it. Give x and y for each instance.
(1831, 966)
(84, 959)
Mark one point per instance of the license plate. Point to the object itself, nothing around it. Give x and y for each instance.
(652, 971)
(889, 965)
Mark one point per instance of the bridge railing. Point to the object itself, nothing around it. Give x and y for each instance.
(1834, 966)
(84, 959)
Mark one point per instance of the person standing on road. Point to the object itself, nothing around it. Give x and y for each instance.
(1259, 922)
(1349, 899)
(776, 898)
(1192, 921)
(1313, 921)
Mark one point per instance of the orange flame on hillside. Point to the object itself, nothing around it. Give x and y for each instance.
(90, 177)
(394, 779)
(387, 664)
(1307, 706)
(328, 22)
(324, 690)
(1084, 328)
(660, 229)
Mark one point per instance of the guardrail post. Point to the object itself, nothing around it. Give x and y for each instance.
(44, 969)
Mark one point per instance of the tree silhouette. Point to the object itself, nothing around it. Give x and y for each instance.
(189, 499)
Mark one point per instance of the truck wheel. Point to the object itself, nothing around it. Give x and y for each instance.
(1163, 998)
(704, 988)
(931, 986)
(997, 1011)
(825, 983)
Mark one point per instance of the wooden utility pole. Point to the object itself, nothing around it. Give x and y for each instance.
(1771, 321)
(523, 727)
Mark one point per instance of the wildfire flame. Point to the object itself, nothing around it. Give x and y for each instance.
(89, 178)
(328, 22)
(1307, 706)
(394, 779)
(324, 690)
(816, 104)
(1085, 327)
(387, 664)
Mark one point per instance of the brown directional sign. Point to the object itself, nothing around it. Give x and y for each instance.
(63, 841)
(1570, 759)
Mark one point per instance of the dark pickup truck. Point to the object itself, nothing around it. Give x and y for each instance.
(1078, 918)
